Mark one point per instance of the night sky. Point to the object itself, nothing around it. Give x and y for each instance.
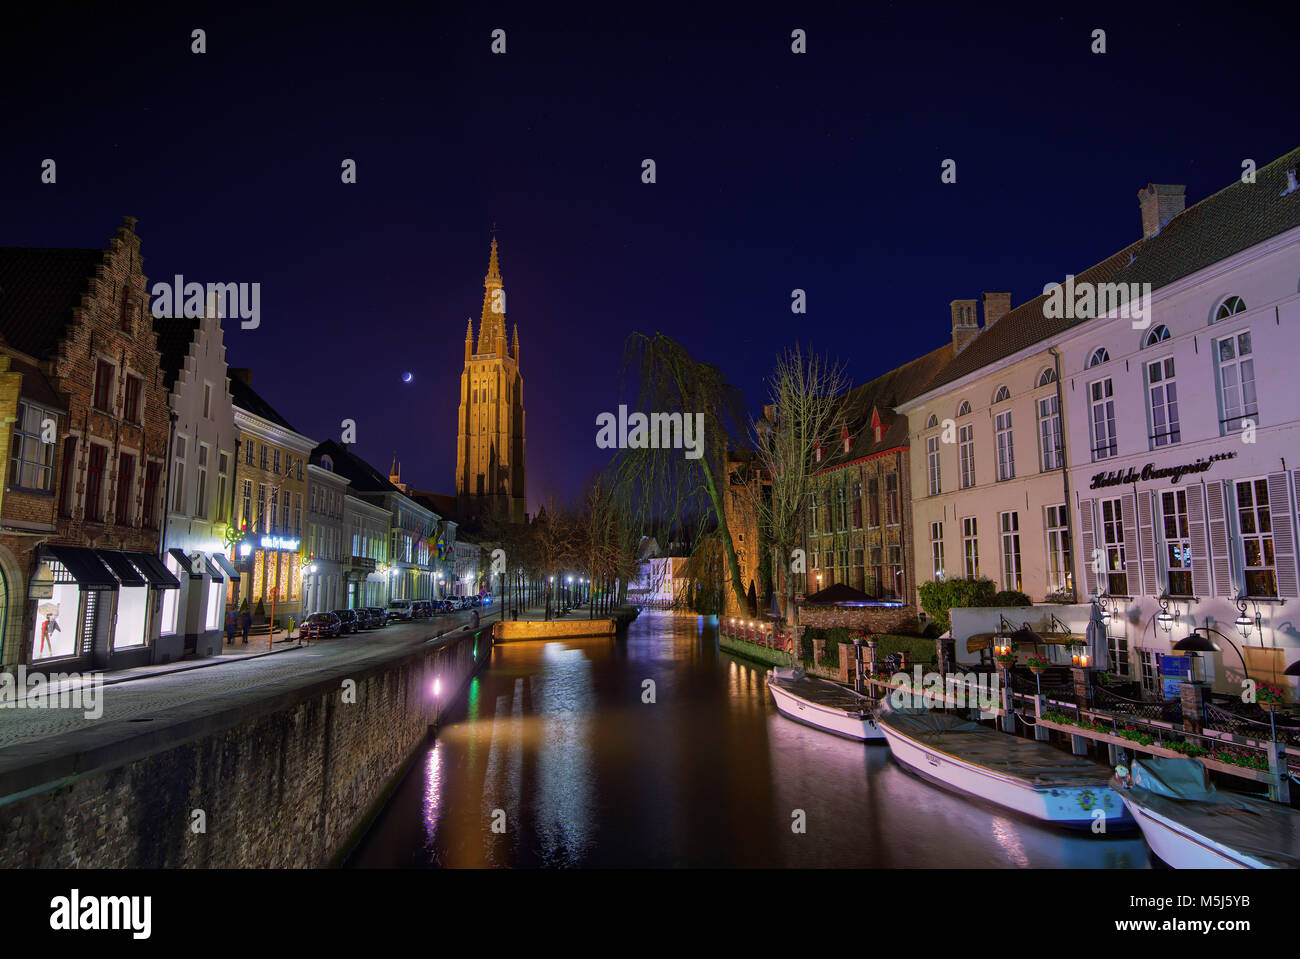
(775, 171)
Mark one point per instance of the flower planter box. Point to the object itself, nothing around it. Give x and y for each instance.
(1245, 772)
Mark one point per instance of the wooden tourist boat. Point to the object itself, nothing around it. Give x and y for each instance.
(1191, 825)
(823, 705)
(1028, 777)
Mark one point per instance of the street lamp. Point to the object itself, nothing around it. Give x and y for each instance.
(1244, 623)
(1164, 617)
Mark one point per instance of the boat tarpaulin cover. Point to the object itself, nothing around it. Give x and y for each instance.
(1267, 832)
(1038, 764)
(824, 693)
(1176, 778)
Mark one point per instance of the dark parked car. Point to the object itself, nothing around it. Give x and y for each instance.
(321, 626)
(351, 622)
(366, 618)
(377, 616)
(421, 609)
(399, 609)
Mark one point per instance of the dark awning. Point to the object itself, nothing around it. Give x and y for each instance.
(83, 566)
(121, 566)
(225, 564)
(154, 570)
(180, 557)
(213, 570)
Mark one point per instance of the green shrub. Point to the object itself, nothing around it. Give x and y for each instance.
(1011, 597)
(918, 648)
(940, 596)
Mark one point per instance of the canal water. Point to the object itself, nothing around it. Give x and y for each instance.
(555, 747)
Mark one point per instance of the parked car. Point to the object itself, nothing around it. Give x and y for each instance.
(399, 609)
(378, 615)
(370, 617)
(321, 626)
(351, 622)
(421, 609)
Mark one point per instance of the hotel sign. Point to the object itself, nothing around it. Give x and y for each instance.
(279, 542)
(1151, 472)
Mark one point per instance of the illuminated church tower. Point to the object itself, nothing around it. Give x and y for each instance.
(490, 440)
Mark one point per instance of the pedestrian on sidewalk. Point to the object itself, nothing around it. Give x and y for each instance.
(231, 623)
(245, 621)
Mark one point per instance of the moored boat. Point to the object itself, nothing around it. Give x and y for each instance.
(1023, 775)
(823, 705)
(1191, 825)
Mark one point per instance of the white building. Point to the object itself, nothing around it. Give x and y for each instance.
(1184, 434)
(365, 567)
(325, 547)
(471, 570)
(200, 485)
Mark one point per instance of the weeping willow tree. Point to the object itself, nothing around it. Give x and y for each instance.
(658, 483)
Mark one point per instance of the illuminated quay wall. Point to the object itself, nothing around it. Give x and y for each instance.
(282, 781)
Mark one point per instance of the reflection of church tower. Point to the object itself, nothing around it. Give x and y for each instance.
(490, 425)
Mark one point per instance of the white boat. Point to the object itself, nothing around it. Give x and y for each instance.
(1191, 825)
(1023, 775)
(823, 705)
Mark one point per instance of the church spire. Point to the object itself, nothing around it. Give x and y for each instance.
(469, 337)
(492, 323)
(514, 350)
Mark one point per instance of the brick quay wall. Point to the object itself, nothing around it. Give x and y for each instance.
(289, 779)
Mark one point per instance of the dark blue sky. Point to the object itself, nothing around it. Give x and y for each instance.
(775, 171)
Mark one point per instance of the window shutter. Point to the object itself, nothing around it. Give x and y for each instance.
(1220, 563)
(1132, 558)
(1088, 539)
(1279, 508)
(1147, 541)
(1200, 542)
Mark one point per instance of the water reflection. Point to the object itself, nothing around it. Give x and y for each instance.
(558, 745)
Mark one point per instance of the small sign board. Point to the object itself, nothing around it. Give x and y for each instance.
(37, 590)
(1174, 671)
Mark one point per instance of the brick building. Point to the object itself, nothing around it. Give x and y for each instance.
(82, 513)
(858, 530)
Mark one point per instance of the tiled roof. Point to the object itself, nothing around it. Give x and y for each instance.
(1024, 326)
(38, 290)
(243, 396)
(35, 386)
(175, 334)
(364, 477)
(881, 395)
(1234, 219)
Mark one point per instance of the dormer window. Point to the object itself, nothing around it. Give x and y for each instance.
(877, 428)
(818, 452)
(845, 438)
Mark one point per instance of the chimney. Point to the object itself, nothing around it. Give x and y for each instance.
(965, 325)
(1160, 203)
(996, 306)
(243, 374)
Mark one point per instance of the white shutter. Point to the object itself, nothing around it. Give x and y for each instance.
(1147, 542)
(1220, 560)
(1089, 541)
(1279, 508)
(1200, 541)
(1132, 559)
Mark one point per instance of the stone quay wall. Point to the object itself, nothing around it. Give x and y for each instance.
(287, 780)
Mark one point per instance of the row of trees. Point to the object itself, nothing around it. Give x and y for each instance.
(656, 490)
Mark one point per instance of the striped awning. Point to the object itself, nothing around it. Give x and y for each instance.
(225, 565)
(121, 566)
(82, 566)
(155, 571)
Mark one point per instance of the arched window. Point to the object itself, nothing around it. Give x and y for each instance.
(1003, 394)
(327, 462)
(1157, 334)
(964, 408)
(932, 422)
(1229, 307)
(1047, 376)
(1099, 357)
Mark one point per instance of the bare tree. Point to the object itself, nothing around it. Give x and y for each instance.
(805, 390)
